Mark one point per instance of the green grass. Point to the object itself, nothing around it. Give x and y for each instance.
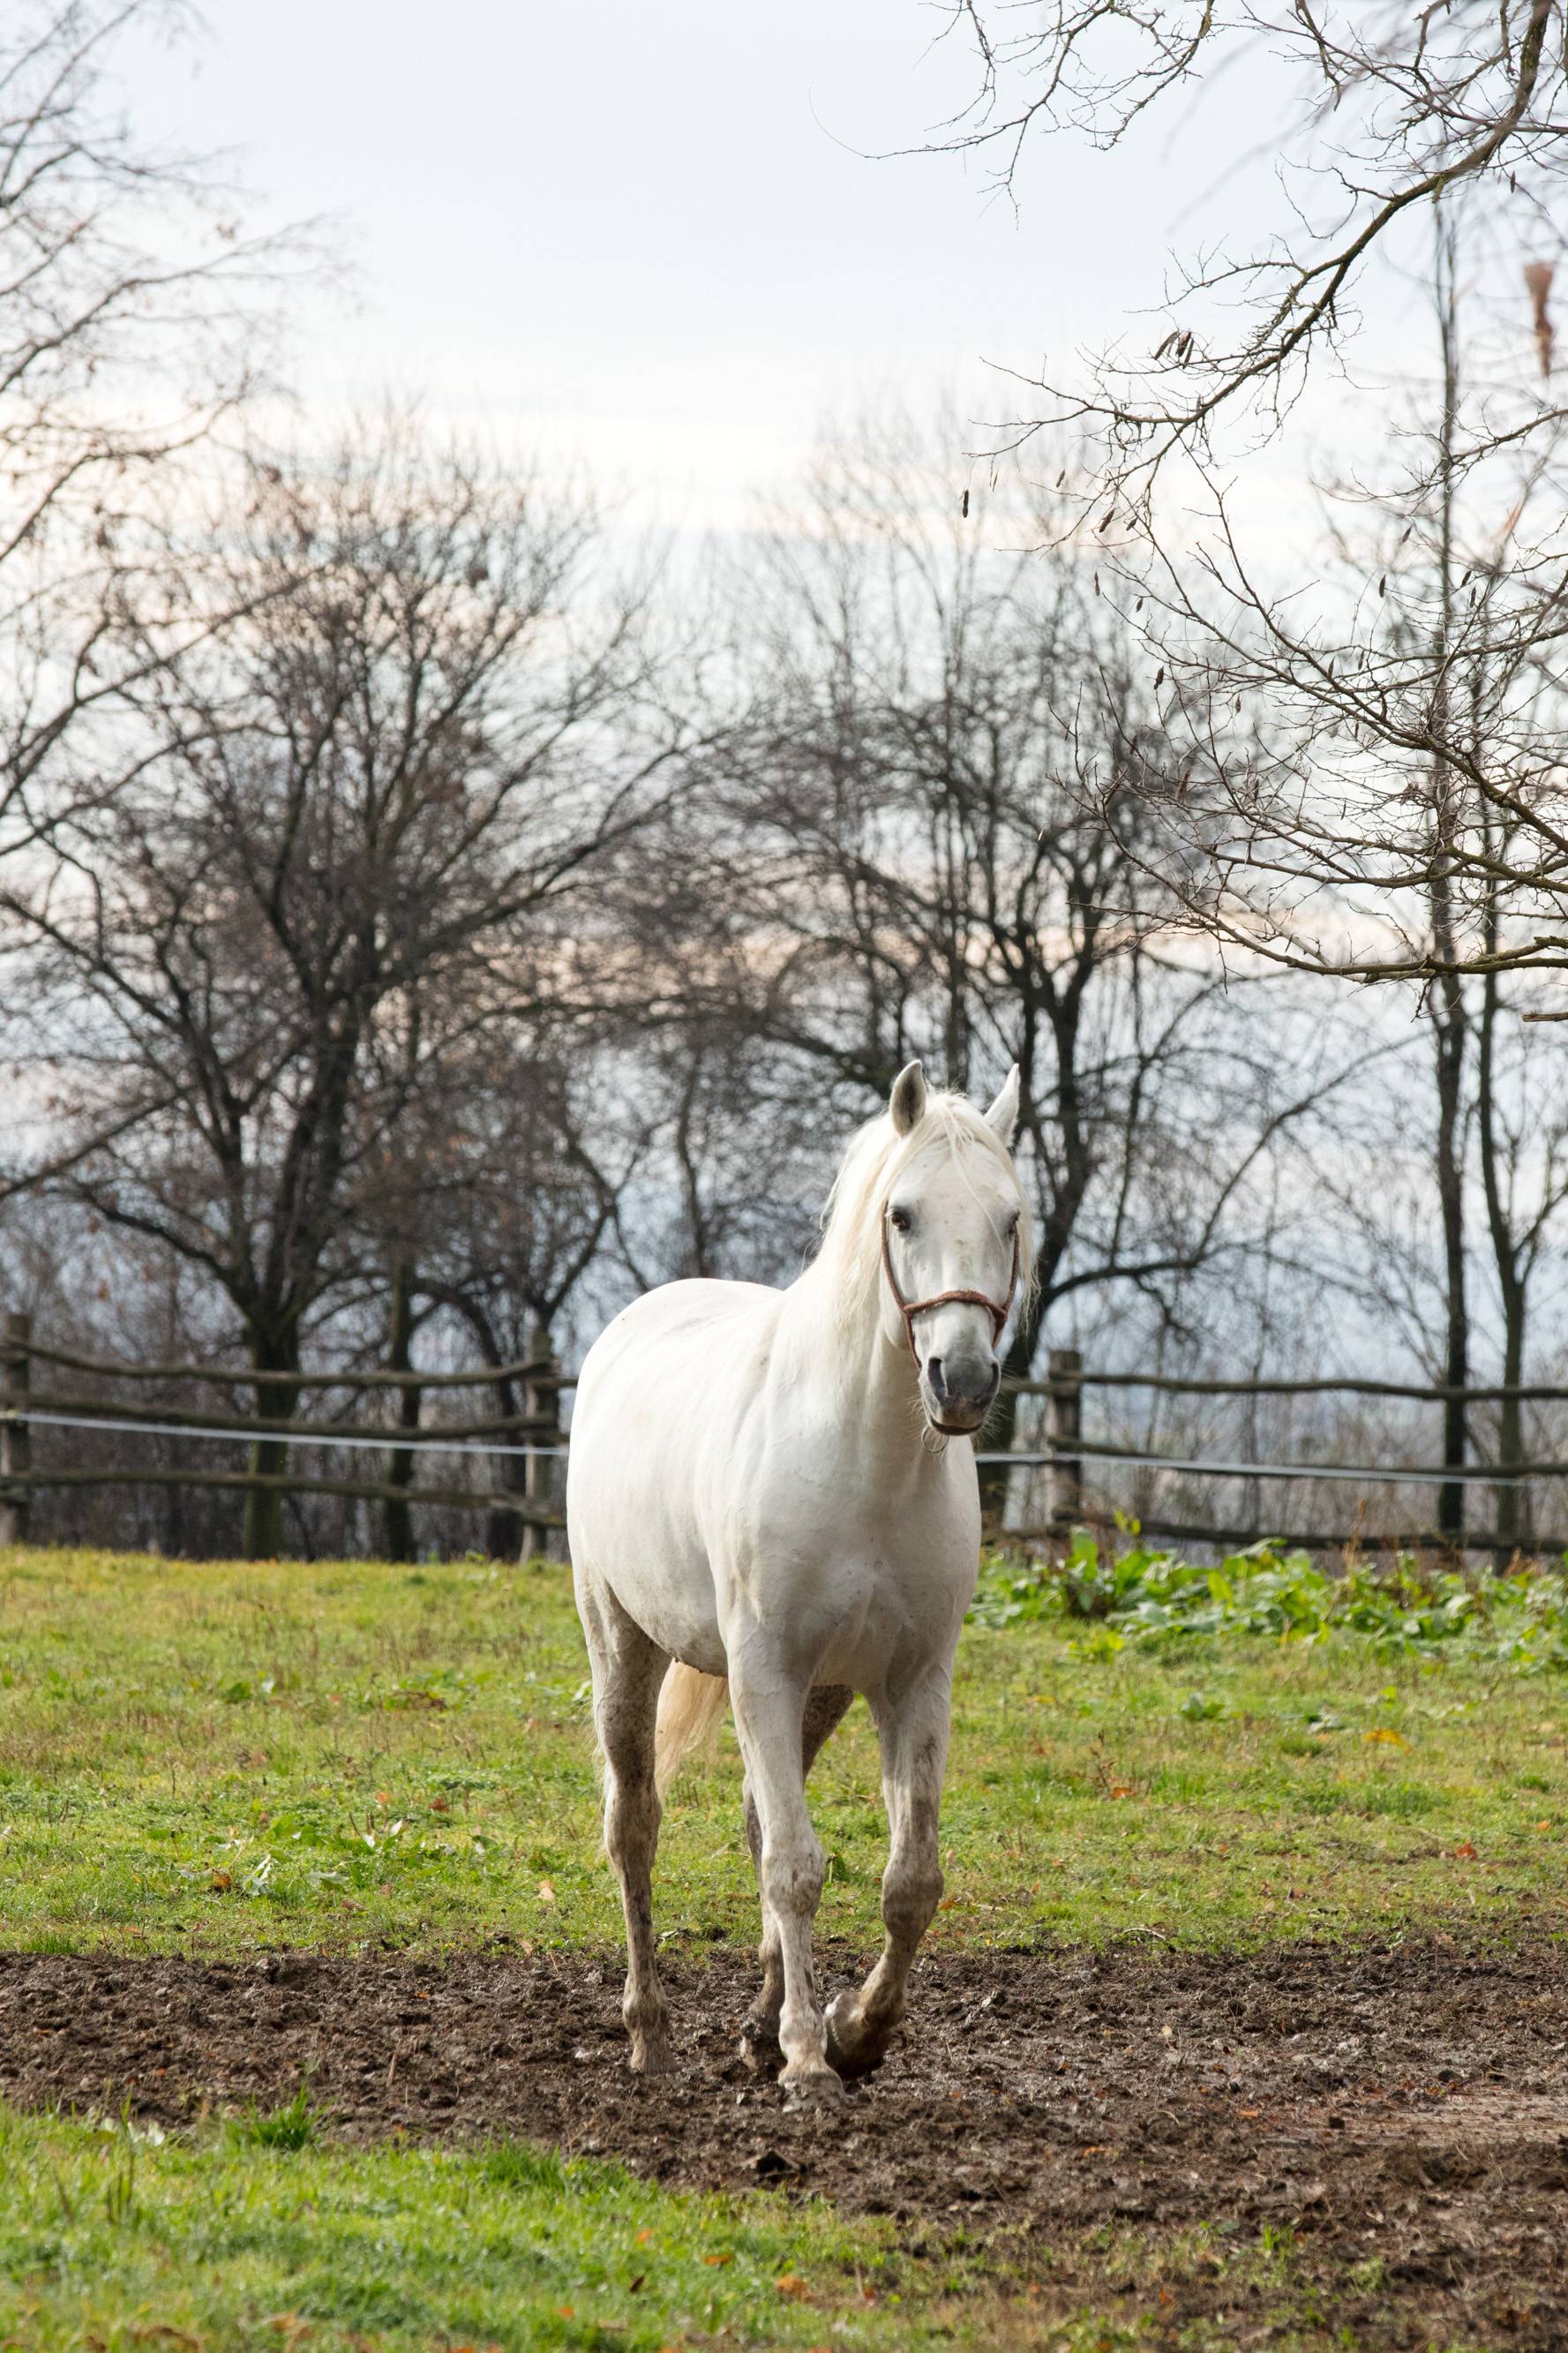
(212, 1757)
(215, 1756)
(113, 2238)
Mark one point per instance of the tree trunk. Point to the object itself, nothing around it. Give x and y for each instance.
(1451, 1016)
(1451, 1028)
(1512, 1500)
(270, 1352)
(397, 1514)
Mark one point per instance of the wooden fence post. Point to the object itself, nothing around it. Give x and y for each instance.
(1064, 1391)
(397, 1518)
(16, 1440)
(542, 1406)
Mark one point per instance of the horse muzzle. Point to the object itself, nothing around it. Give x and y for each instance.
(957, 1395)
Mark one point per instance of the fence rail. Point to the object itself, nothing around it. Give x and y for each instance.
(533, 1437)
(536, 1439)
(1067, 1451)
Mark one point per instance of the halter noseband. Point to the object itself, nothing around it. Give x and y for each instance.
(909, 1308)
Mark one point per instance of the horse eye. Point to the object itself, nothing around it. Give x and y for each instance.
(900, 1221)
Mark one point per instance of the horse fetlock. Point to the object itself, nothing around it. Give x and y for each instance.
(644, 2010)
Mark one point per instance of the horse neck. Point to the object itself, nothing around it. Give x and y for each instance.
(868, 1382)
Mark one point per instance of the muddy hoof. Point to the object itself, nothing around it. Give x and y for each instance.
(650, 2058)
(852, 2051)
(812, 2087)
(760, 2046)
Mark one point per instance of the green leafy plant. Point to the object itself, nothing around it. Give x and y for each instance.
(1518, 1622)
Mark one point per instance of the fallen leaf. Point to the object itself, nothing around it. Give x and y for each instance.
(220, 1882)
(714, 2261)
(1464, 1853)
(791, 2285)
(1385, 1732)
(546, 1893)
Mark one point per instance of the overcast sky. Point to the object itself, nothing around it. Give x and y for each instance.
(658, 236)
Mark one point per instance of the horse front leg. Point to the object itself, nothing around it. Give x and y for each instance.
(824, 1710)
(913, 1731)
(769, 1721)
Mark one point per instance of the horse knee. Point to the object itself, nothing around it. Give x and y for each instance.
(794, 1870)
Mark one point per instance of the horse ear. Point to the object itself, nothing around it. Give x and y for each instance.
(906, 1103)
(1003, 1114)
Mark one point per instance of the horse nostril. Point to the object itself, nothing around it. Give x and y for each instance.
(934, 1375)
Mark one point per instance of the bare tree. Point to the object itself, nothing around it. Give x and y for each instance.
(1361, 763)
(1382, 111)
(411, 755)
(131, 302)
(1375, 775)
(929, 808)
(509, 1169)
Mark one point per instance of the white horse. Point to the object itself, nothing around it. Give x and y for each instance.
(761, 1489)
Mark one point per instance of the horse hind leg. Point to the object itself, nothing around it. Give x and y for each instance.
(628, 1667)
(825, 1709)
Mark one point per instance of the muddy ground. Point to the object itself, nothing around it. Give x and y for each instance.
(1405, 2100)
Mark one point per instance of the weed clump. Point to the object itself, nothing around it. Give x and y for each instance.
(293, 2125)
(1517, 1622)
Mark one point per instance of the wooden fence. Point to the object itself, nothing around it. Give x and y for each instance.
(537, 1438)
(1070, 1455)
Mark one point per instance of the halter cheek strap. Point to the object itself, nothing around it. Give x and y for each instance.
(909, 1308)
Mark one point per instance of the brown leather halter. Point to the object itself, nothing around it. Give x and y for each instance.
(909, 1308)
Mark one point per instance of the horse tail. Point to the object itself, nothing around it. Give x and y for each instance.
(689, 1706)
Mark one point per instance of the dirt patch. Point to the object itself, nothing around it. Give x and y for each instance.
(1404, 2101)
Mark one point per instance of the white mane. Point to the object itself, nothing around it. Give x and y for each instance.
(850, 1258)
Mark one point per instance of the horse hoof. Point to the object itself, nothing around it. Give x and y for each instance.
(759, 2047)
(850, 2048)
(812, 2087)
(653, 2059)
